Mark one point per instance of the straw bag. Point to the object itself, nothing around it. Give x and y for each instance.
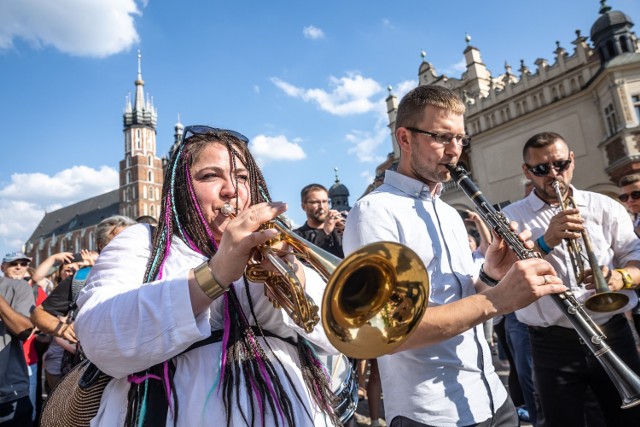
(75, 400)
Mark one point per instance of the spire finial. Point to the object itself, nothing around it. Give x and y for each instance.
(178, 117)
(467, 38)
(423, 54)
(336, 171)
(603, 7)
(139, 65)
(390, 89)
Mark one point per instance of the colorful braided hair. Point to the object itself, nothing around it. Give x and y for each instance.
(242, 356)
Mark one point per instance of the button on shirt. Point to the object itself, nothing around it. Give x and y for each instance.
(614, 244)
(452, 382)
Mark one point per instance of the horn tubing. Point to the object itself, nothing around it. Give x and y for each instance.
(624, 379)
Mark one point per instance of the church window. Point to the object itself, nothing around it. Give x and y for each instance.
(150, 174)
(151, 192)
(128, 160)
(612, 120)
(636, 106)
(128, 177)
(150, 160)
(624, 44)
(138, 139)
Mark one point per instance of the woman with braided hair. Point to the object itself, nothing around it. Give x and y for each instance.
(171, 315)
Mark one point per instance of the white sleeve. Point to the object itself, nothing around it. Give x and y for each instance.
(126, 326)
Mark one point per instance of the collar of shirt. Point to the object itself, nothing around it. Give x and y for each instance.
(537, 204)
(411, 186)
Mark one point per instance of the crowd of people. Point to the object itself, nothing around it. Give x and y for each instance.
(189, 335)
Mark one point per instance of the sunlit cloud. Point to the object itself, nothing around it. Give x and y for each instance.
(313, 33)
(25, 200)
(457, 68)
(275, 148)
(348, 95)
(96, 28)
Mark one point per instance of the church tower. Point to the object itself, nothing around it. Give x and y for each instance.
(141, 169)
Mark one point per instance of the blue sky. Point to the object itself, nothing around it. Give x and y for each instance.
(305, 81)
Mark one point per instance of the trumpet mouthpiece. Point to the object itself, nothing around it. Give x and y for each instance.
(227, 210)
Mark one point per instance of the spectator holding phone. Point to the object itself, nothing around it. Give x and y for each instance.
(52, 316)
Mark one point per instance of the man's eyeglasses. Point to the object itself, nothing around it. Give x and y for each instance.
(19, 263)
(444, 138)
(635, 195)
(543, 169)
(208, 130)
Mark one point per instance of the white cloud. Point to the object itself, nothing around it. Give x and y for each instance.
(387, 24)
(365, 144)
(313, 33)
(457, 68)
(275, 148)
(24, 201)
(96, 28)
(349, 95)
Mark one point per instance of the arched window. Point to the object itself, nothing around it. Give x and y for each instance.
(151, 192)
(138, 139)
(150, 174)
(128, 160)
(152, 210)
(150, 160)
(127, 179)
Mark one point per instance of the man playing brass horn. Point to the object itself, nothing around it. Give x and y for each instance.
(563, 367)
(443, 374)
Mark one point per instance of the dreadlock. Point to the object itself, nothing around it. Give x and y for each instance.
(242, 357)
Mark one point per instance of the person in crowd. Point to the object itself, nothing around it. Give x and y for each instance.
(443, 373)
(563, 367)
(147, 219)
(630, 196)
(177, 314)
(52, 316)
(42, 277)
(13, 267)
(323, 226)
(16, 302)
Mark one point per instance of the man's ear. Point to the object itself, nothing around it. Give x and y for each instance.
(526, 171)
(402, 138)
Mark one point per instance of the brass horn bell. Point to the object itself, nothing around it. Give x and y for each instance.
(374, 300)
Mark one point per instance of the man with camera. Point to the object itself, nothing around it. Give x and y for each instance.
(324, 226)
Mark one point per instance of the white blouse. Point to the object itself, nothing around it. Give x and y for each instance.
(126, 326)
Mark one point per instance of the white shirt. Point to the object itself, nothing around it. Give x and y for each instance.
(126, 326)
(451, 383)
(613, 240)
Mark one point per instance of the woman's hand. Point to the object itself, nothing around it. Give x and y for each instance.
(241, 236)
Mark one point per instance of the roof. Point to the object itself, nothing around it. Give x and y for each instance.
(613, 18)
(77, 216)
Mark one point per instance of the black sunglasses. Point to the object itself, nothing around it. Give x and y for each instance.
(635, 195)
(543, 169)
(196, 130)
(19, 263)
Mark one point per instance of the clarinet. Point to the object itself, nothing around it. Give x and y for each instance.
(626, 381)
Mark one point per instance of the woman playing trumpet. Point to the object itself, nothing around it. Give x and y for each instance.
(153, 295)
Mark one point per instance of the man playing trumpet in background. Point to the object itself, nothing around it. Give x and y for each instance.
(324, 226)
(563, 367)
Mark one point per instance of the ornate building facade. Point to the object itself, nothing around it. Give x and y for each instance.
(591, 96)
(72, 228)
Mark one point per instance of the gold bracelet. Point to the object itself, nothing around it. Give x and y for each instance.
(209, 285)
(626, 279)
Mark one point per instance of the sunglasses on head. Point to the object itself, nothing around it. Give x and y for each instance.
(543, 169)
(635, 195)
(203, 130)
(19, 263)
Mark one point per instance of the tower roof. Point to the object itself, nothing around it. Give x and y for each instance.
(609, 20)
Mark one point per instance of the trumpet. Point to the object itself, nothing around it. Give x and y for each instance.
(373, 301)
(624, 379)
(603, 300)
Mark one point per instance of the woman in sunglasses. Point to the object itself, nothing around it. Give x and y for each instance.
(562, 369)
(171, 315)
(630, 196)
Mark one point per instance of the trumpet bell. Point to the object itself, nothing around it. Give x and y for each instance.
(606, 301)
(374, 300)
